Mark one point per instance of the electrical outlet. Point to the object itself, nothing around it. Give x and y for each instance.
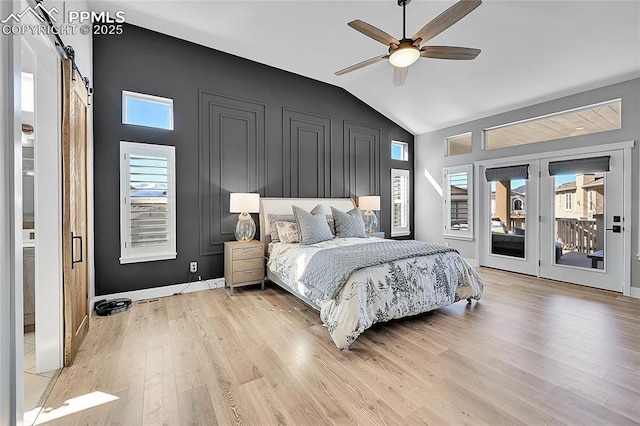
(193, 267)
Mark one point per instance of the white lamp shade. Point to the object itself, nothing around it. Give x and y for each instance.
(369, 202)
(241, 202)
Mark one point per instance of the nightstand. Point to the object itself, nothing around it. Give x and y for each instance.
(376, 234)
(243, 264)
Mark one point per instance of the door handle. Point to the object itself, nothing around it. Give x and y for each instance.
(73, 256)
(615, 228)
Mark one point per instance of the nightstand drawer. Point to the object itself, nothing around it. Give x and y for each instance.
(247, 252)
(244, 276)
(248, 264)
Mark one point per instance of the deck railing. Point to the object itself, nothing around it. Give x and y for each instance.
(577, 235)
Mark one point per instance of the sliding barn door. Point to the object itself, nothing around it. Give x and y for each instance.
(74, 227)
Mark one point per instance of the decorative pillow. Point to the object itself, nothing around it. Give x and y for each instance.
(313, 226)
(332, 225)
(349, 224)
(288, 232)
(273, 218)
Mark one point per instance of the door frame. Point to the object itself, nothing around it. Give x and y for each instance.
(48, 184)
(625, 146)
(11, 310)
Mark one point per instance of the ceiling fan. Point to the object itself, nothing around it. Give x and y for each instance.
(406, 51)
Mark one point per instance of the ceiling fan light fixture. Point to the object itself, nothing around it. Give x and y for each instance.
(404, 56)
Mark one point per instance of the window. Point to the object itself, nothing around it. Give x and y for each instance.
(517, 204)
(460, 144)
(585, 120)
(592, 203)
(458, 202)
(147, 202)
(567, 202)
(399, 151)
(400, 202)
(147, 110)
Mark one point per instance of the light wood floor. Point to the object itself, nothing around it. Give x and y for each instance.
(530, 352)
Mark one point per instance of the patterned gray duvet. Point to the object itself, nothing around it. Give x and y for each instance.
(378, 293)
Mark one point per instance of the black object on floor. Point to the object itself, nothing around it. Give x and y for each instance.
(110, 307)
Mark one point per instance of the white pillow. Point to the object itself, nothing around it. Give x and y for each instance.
(288, 232)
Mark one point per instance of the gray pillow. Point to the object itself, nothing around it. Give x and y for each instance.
(313, 226)
(349, 224)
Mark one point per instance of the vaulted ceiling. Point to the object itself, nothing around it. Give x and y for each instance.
(532, 51)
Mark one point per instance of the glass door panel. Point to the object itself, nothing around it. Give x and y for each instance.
(579, 220)
(509, 197)
(508, 217)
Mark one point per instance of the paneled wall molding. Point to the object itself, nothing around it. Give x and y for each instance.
(306, 153)
(361, 159)
(238, 126)
(232, 147)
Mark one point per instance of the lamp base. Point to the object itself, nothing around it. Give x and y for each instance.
(370, 222)
(245, 228)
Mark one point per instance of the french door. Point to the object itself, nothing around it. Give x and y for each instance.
(559, 218)
(581, 227)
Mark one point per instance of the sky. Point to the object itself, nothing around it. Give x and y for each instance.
(150, 114)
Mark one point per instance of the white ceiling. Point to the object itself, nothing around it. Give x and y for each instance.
(532, 51)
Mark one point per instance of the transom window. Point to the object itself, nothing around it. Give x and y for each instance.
(399, 151)
(460, 144)
(147, 110)
(585, 120)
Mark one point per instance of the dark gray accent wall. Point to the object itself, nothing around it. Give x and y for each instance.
(238, 126)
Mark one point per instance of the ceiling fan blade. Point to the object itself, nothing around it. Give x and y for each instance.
(449, 52)
(373, 32)
(361, 64)
(399, 75)
(446, 19)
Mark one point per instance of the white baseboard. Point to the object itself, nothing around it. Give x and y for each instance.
(635, 292)
(170, 290)
(472, 262)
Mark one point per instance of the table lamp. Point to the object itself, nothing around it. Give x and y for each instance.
(244, 203)
(369, 203)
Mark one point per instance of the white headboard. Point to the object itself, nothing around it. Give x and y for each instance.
(283, 206)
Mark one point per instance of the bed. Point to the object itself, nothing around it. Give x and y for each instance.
(387, 290)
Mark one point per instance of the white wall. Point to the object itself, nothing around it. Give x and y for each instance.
(429, 158)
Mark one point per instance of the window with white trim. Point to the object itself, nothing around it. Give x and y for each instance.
(567, 202)
(147, 202)
(458, 202)
(400, 203)
(141, 109)
(459, 144)
(399, 151)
